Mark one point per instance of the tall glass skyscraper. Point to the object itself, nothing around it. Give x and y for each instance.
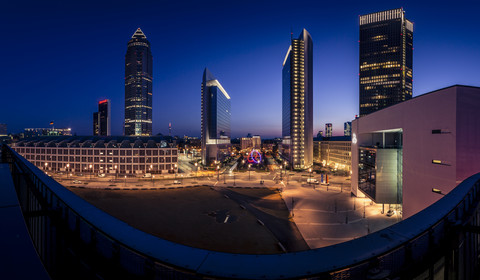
(297, 102)
(216, 116)
(386, 47)
(138, 86)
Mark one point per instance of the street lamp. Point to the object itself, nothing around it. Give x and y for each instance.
(115, 172)
(68, 165)
(218, 172)
(281, 174)
(310, 177)
(125, 180)
(90, 166)
(153, 182)
(46, 164)
(196, 169)
(249, 171)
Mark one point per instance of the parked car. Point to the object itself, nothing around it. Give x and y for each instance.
(390, 212)
(176, 182)
(76, 182)
(147, 175)
(313, 181)
(101, 175)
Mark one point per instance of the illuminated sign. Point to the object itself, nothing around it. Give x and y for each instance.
(354, 138)
(103, 101)
(255, 157)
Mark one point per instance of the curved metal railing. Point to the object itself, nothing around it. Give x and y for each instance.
(74, 237)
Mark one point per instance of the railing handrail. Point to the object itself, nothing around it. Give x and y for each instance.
(286, 265)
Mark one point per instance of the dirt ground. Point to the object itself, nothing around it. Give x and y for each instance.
(197, 216)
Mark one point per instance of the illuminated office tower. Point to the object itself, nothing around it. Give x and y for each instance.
(216, 115)
(297, 102)
(138, 86)
(328, 130)
(386, 47)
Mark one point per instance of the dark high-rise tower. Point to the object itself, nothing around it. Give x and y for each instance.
(138, 86)
(297, 102)
(101, 119)
(386, 47)
(216, 116)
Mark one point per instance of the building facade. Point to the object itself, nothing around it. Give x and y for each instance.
(101, 119)
(334, 152)
(328, 130)
(94, 155)
(216, 115)
(37, 132)
(96, 124)
(347, 129)
(401, 153)
(386, 57)
(254, 142)
(297, 102)
(138, 86)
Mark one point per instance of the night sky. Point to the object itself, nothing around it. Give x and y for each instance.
(59, 58)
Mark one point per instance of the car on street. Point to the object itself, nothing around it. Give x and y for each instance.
(76, 182)
(101, 175)
(176, 182)
(390, 212)
(313, 181)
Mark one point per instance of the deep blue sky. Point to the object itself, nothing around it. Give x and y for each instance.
(60, 57)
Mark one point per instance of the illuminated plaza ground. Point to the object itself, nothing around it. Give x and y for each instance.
(171, 208)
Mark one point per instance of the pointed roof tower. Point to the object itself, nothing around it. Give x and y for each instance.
(139, 34)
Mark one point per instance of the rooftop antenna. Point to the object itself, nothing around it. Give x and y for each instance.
(169, 129)
(291, 33)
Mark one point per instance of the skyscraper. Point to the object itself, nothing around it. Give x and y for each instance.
(328, 130)
(96, 124)
(138, 86)
(297, 102)
(215, 120)
(347, 129)
(386, 47)
(101, 119)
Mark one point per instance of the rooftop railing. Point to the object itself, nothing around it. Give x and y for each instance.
(72, 237)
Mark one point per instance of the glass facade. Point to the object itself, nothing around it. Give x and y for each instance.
(297, 102)
(216, 115)
(138, 86)
(386, 55)
(367, 172)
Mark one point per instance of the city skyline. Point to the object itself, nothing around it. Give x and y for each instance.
(256, 110)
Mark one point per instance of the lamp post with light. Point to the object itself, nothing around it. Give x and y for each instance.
(218, 172)
(45, 169)
(90, 166)
(196, 169)
(249, 171)
(310, 177)
(115, 172)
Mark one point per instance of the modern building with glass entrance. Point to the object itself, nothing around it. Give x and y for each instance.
(403, 152)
